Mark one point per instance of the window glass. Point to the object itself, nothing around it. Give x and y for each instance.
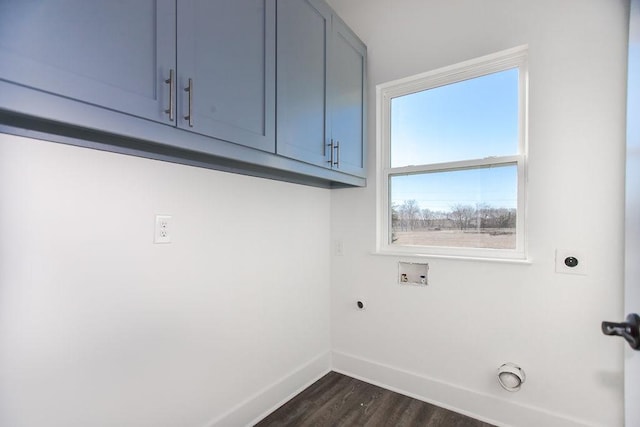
(457, 208)
(469, 119)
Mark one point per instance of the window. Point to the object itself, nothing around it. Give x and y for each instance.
(452, 153)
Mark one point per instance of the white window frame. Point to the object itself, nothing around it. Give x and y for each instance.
(500, 61)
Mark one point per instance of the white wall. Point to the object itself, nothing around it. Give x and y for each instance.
(100, 327)
(444, 343)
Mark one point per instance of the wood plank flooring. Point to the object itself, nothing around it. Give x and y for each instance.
(338, 400)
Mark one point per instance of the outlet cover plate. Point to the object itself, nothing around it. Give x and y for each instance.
(162, 229)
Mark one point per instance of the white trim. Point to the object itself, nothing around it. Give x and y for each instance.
(270, 398)
(482, 406)
(472, 258)
(453, 166)
(500, 61)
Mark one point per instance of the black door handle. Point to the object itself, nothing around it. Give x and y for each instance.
(629, 330)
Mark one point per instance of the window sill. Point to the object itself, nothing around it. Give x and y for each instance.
(400, 254)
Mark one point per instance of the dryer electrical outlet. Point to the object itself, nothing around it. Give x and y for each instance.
(571, 261)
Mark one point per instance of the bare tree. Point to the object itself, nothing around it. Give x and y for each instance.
(462, 215)
(484, 215)
(409, 214)
(439, 219)
(505, 218)
(426, 216)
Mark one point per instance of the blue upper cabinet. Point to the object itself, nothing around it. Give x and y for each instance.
(304, 27)
(271, 88)
(320, 87)
(346, 99)
(124, 59)
(226, 70)
(98, 52)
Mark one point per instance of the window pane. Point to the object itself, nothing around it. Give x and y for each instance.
(473, 208)
(470, 119)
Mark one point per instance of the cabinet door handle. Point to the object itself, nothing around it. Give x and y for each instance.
(189, 115)
(337, 147)
(330, 145)
(171, 81)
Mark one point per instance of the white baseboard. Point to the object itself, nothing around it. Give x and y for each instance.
(481, 406)
(265, 401)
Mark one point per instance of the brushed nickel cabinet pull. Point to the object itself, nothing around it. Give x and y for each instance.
(189, 115)
(330, 161)
(171, 82)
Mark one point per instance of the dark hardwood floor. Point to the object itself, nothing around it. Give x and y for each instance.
(338, 400)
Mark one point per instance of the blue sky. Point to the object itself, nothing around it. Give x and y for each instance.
(471, 119)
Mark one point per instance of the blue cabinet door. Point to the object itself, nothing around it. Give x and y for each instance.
(302, 120)
(226, 70)
(320, 87)
(347, 99)
(107, 53)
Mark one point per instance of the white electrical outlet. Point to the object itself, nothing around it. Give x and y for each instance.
(570, 261)
(162, 229)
